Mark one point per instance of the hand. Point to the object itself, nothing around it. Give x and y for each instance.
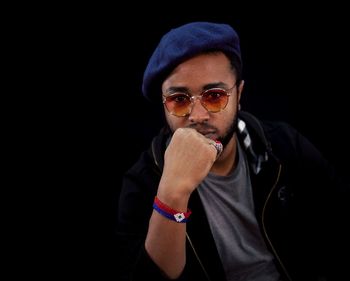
(187, 161)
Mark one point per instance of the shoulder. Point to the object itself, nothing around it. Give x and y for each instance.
(288, 143)
(285, 141)
(266, 134)
(278, 131)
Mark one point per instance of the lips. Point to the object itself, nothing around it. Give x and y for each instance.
(206, 130)
(207, 134)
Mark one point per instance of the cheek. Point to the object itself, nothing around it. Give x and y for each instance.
(174, 122)
(223, 120)
(231, 109)
(227, 117)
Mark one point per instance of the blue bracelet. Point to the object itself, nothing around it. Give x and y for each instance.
(179, 217)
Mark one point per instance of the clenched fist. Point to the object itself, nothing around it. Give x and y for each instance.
(187, 161)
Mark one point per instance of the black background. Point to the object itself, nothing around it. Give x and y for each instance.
(295, 65)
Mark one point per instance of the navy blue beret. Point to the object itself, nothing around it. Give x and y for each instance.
(182, 43)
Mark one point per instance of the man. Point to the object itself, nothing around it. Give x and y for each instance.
(221, 195)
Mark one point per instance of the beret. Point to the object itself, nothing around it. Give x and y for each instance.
(182, 43)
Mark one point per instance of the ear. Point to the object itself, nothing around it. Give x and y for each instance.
(240, 90)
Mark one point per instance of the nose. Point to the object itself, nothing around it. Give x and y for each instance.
(198, 113)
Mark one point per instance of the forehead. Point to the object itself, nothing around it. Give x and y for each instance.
(201, 69)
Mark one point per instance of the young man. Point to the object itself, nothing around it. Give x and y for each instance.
(221, 195)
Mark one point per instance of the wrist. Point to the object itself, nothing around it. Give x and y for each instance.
(176, 200)
(169, 212)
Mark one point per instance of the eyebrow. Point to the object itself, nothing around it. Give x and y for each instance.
(186, 90)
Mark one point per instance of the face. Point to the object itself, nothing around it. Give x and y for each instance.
(194, 77)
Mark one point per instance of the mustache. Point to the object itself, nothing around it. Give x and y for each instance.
(202, 127)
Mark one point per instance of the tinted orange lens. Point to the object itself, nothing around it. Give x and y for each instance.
(178, 104)
(214, 100)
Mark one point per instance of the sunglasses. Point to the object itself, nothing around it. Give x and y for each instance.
(181, 104)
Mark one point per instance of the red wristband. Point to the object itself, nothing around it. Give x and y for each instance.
(169, 212)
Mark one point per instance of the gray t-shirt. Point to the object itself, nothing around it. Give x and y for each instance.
(228, 203)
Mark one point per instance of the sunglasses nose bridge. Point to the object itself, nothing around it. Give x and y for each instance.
(193, 100)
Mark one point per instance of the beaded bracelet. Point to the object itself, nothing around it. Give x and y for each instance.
(170, 213)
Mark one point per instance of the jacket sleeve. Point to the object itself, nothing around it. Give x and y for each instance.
(321, 197)
(330, 194)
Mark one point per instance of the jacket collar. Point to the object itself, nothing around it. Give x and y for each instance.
(252, 138)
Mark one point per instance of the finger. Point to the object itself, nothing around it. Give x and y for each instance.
(218, 146)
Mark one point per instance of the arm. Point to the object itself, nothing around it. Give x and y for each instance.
(188, 160)
(136, 218)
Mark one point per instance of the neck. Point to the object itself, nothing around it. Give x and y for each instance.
(226, 163)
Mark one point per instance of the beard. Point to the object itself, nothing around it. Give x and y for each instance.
(227, 136)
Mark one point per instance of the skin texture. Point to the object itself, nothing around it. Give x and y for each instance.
(189, 157)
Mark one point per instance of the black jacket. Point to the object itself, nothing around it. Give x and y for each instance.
(300, 206)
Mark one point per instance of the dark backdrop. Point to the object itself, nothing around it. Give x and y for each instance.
(295, 67)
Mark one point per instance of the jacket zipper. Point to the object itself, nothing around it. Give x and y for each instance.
(263, 223)
(197, 257)
(264, 229)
